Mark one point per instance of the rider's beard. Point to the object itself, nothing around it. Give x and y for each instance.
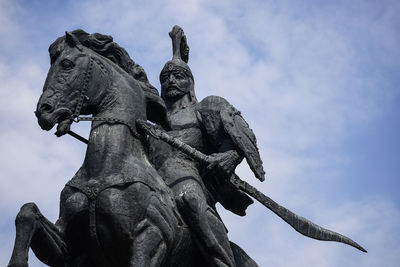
(174, 93)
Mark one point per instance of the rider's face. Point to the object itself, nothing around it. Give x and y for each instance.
(175, 84)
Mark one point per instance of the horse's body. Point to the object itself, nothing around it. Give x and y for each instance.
(116, 210)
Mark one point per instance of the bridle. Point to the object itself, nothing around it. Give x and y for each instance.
(75, 117)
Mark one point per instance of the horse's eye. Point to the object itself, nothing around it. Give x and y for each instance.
(66, 63)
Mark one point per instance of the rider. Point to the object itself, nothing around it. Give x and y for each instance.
(197, 188)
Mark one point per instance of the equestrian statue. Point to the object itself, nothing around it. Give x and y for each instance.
(145, 194)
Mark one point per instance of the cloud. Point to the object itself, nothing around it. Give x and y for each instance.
(270, 241)
(305, 76)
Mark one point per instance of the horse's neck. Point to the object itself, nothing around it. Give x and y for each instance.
(112, 148)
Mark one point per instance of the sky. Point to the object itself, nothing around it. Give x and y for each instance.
(317, 81)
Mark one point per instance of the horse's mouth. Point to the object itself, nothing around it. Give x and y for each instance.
(60, 116)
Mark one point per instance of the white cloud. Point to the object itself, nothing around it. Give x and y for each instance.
(302, 76)
(272, 242)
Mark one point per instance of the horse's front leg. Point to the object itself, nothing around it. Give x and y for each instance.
(35, 231)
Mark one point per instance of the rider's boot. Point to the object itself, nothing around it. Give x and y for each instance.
(209, 229)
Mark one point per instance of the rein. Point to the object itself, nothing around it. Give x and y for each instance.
(76, 118)
(112, 120)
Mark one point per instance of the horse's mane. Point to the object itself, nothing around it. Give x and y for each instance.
(106, 47)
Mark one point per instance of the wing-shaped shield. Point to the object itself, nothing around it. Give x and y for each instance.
(221, 120)
(244, 138)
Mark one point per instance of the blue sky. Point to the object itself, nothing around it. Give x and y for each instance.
(318, 81)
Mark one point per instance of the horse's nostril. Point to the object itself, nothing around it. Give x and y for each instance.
(46, 107)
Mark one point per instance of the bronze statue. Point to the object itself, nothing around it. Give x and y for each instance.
(121, 210)
(210, 127)
(206, 141)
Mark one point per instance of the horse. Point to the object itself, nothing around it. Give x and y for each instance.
(116, 210)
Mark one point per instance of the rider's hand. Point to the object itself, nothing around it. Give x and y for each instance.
(225, 163)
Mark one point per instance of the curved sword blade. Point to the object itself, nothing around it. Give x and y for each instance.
(300, 224)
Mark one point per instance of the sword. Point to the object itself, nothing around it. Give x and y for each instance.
(300, 224)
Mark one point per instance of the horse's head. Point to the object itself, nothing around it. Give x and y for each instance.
(65, 91)
(83, 68)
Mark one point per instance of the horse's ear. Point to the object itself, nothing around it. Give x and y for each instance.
(71, 39)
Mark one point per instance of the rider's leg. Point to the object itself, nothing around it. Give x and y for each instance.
(207, 226)
(35, 231)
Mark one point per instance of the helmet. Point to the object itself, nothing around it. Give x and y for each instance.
(179, 59)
